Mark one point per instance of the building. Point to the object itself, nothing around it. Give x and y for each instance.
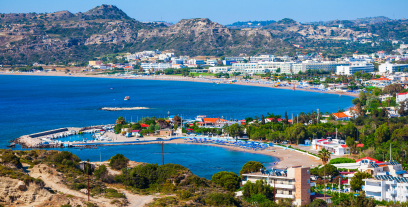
(335, 146)
(95, 62)
(165, 132)
(156, 66)
(390, 182)
(292, 183)
(330, 66)
(195, 62)
(402, 97)
(353, 68)
(391, 68)
(341, 116)
(219, 69)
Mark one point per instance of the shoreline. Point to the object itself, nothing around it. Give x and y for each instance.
(286, 158)
(179, 78)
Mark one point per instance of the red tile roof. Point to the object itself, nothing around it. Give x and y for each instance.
(344, 146)
(400, 94)
(144, 125)
(367, 158)
(360, 145)
(380, 79)
(135, 130)
(340, 115)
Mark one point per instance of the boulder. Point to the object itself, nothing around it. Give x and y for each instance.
(84, 191)
(21, 186)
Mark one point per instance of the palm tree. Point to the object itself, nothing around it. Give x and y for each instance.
(324, 155)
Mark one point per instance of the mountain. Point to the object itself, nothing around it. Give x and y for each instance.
(63, 37)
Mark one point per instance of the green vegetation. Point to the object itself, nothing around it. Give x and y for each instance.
(227, 180)
(251, 166)
(117, 162)
(357, 180)
(341, 160)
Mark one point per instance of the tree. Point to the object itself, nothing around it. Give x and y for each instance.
(251, 166)
(351, 143)
(331, 171)
(318, 203)
(357, 180)
(234, 130)
(324, 155)
(118, 162)
(382, 134)
(403, 108)
(227, 180)
(263, 120)
(286, 118)
(121, 120)
(259, 187)
(296, 132)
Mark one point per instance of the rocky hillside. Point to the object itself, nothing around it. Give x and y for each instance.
(63, 37)
(66, 38)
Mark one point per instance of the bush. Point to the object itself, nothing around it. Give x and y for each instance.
(10, 158)
(227, 180)
(318, 203)
(118, 162)
(251, 166)
(341, 160)
(250, 189)
(221, 199)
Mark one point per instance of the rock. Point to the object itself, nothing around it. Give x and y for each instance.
(84, 191)
(21, 186)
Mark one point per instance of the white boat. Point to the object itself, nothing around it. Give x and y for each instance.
(126, 98)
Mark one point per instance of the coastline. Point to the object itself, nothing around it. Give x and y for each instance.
(177, 78)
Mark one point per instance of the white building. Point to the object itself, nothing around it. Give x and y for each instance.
(401, 97)
(269, 58)
(335, 146)
(195, 62)
(355, 67)
(219, 69)
(237, 59)
(391, 68)
(156, 66)
(390, 182)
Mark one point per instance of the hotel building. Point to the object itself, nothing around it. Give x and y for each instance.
(293, 183)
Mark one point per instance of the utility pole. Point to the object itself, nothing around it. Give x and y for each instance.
(162, 154)
(318, 116)
(87, 172)
(292, 119)
(390, 151)
(324, 182)
(125, 173)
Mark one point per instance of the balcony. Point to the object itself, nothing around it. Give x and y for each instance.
(405, 193)
(285, 186)
(393, 182)
(391, 193)
(371, 188)
(285, 196)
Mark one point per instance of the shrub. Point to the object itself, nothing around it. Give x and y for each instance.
(250, 189)
(221, 199)
(118, 162)
(227, 180)
(251, 166)
(341, 160)
(10, 158)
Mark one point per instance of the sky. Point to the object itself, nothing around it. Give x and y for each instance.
(223, 11)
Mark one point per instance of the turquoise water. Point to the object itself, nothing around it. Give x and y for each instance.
(30, 104)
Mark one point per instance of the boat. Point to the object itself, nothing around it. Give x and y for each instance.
(126, 98)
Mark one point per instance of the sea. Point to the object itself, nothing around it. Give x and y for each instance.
(30, 104)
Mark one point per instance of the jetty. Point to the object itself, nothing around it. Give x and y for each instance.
(123, 108)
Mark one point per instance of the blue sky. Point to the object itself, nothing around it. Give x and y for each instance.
(224, 11)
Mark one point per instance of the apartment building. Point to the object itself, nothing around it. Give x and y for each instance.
(95, 62)
(390, 182)
(353, 68)
(219, 69)
(156, 66)
(401, 97)
(293, 183)
(391, 68)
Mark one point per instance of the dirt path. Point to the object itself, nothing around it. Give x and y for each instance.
(53, 181)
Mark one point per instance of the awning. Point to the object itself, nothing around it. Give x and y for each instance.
(401, 172)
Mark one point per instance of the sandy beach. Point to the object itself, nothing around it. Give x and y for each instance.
(287, 158)
(206, 79)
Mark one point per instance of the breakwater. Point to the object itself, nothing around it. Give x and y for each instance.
(123, 108)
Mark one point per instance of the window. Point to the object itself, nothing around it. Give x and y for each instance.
(308, 171)
(308, 191)
(308, 181)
